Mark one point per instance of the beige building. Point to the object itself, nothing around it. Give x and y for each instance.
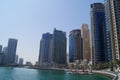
(85, 33)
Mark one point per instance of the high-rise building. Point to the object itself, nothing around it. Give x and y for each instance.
(98, 33)
(11, 51)
(59, 47)
(21, 61)
(112, 17)
(75, 46)
(85, 33)
(45, 53)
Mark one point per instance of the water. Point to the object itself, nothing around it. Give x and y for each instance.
(32, 74)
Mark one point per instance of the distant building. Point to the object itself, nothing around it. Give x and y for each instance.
(5, 50)
(85, 33)
(59, 47)
(4, 55)
(75, 46)
(29, 63)
(36, 63)
(11, 51)
(1, 55)
(67, 58)
(45, 49)
(1, 58)
(0, 48)
(16, 59)
(97, 33)
(21, 61)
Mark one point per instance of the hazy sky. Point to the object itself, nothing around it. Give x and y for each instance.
(26, 20)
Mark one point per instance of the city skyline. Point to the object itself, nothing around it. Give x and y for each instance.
(29, 20)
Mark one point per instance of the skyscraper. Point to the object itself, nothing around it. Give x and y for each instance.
(112, 17)
(59, 47)
(97, 32)
(85, 33)
(11, 51)
(75, 46)
(45, 53)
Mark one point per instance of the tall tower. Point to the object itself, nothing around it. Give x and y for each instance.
(59, 47)
(112, 17)
(97, 32)
(85, 33)
(11, 51)
(45, 49)
(75, 46)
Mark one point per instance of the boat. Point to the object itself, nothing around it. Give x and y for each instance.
(73, 71)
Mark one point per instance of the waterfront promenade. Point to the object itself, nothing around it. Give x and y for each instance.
(118, 76)
(111, 74)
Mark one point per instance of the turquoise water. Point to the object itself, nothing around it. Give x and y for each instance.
(33, 74)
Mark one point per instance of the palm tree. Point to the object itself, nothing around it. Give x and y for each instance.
(111, 64)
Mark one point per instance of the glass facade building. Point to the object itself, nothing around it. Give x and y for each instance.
(97, 33)
(45, 49)
(108, 31)
(75, 46)
(71, 48)
(59, 47)
(112, 16)
(11, 51)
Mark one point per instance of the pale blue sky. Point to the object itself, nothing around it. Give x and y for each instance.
(26, 20)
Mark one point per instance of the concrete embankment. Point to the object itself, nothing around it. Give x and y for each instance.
(112, 75)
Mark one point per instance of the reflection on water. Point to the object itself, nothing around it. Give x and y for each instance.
(32, 74)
